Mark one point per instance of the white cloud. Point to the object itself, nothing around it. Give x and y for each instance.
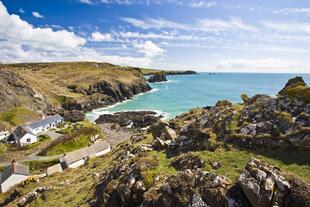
(86, 1)
(100, 37)
(203, 4)
(37, 15)
(235, 23)
(155, 23)
(288, 11)
(21, 10)
(15, 30)
(293, 27)
(150, 49)
(258, 65)
(138, 35)
(22, 42)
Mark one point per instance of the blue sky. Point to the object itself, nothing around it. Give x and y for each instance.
(203, 35)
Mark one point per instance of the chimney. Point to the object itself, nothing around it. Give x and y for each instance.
(13, 163)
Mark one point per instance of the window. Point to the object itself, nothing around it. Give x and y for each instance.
(28, 140)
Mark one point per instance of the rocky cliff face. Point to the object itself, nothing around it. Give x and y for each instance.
(104, 93)
(158, 77)
(15, 92)
(61, 87)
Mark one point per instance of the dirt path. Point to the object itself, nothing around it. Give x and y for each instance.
(117, 135)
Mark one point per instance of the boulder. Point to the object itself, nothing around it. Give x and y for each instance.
(293, 82)
(74, 116)
(299, 194)
(263, 185)
(137, 119)
(187, 161)
(158, 77)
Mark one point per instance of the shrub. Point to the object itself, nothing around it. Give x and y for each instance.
(245, 98)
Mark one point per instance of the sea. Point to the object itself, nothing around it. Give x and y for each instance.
(184, 92)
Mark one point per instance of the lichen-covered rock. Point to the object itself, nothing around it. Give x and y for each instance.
(189, 189)
(187, 161)
(263, 185)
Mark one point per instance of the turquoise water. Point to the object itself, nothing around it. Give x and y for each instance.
(184, 92)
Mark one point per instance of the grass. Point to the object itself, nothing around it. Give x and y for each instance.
(233, 161)
(298, 91)
(163, 168)
(3, 148)
(18, 116)
(73, 140)
(36, 167)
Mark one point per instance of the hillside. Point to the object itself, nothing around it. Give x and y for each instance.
(55, 87)
(168, 72)
(249, 154)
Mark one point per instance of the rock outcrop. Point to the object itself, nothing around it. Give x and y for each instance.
(263, 185)
(158, 77)
(15, 92)
(135, 119)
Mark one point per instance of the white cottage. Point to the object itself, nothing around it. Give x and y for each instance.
(4, 135)
(22, 136)
(100, 148)
(74, 159)
(45, 124)
(79, 157)
(13, 175)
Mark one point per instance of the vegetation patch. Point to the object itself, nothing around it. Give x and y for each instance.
(233, 160)
(18, 116)
(162, 169)
(70, 142)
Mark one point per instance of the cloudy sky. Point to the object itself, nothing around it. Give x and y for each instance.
(210, 35)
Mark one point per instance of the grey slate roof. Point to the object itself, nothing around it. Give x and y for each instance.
(99, 146)
(74, 156)
(87, 152)
(14, 168)
(20, 131)
(46, 121)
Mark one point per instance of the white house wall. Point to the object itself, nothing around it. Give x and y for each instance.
(103, 152)
(77, 164)
(12, 181)
(23, 140)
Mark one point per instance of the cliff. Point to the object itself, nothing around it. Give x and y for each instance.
(168, 72)
(58, 87)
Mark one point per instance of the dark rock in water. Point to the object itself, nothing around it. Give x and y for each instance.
(138, 119)
(293, 82)
(74, 116)
(187, 161)
(158, 77)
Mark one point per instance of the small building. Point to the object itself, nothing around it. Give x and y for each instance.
(54, 169)
(79, 157)
(4, 135)
(100, 148)
(45, 124)
(74, 159)
(22, 135)
(13, 175)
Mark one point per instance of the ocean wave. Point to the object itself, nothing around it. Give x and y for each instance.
(95, 115)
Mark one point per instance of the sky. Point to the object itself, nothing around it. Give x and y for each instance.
(202, 35)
